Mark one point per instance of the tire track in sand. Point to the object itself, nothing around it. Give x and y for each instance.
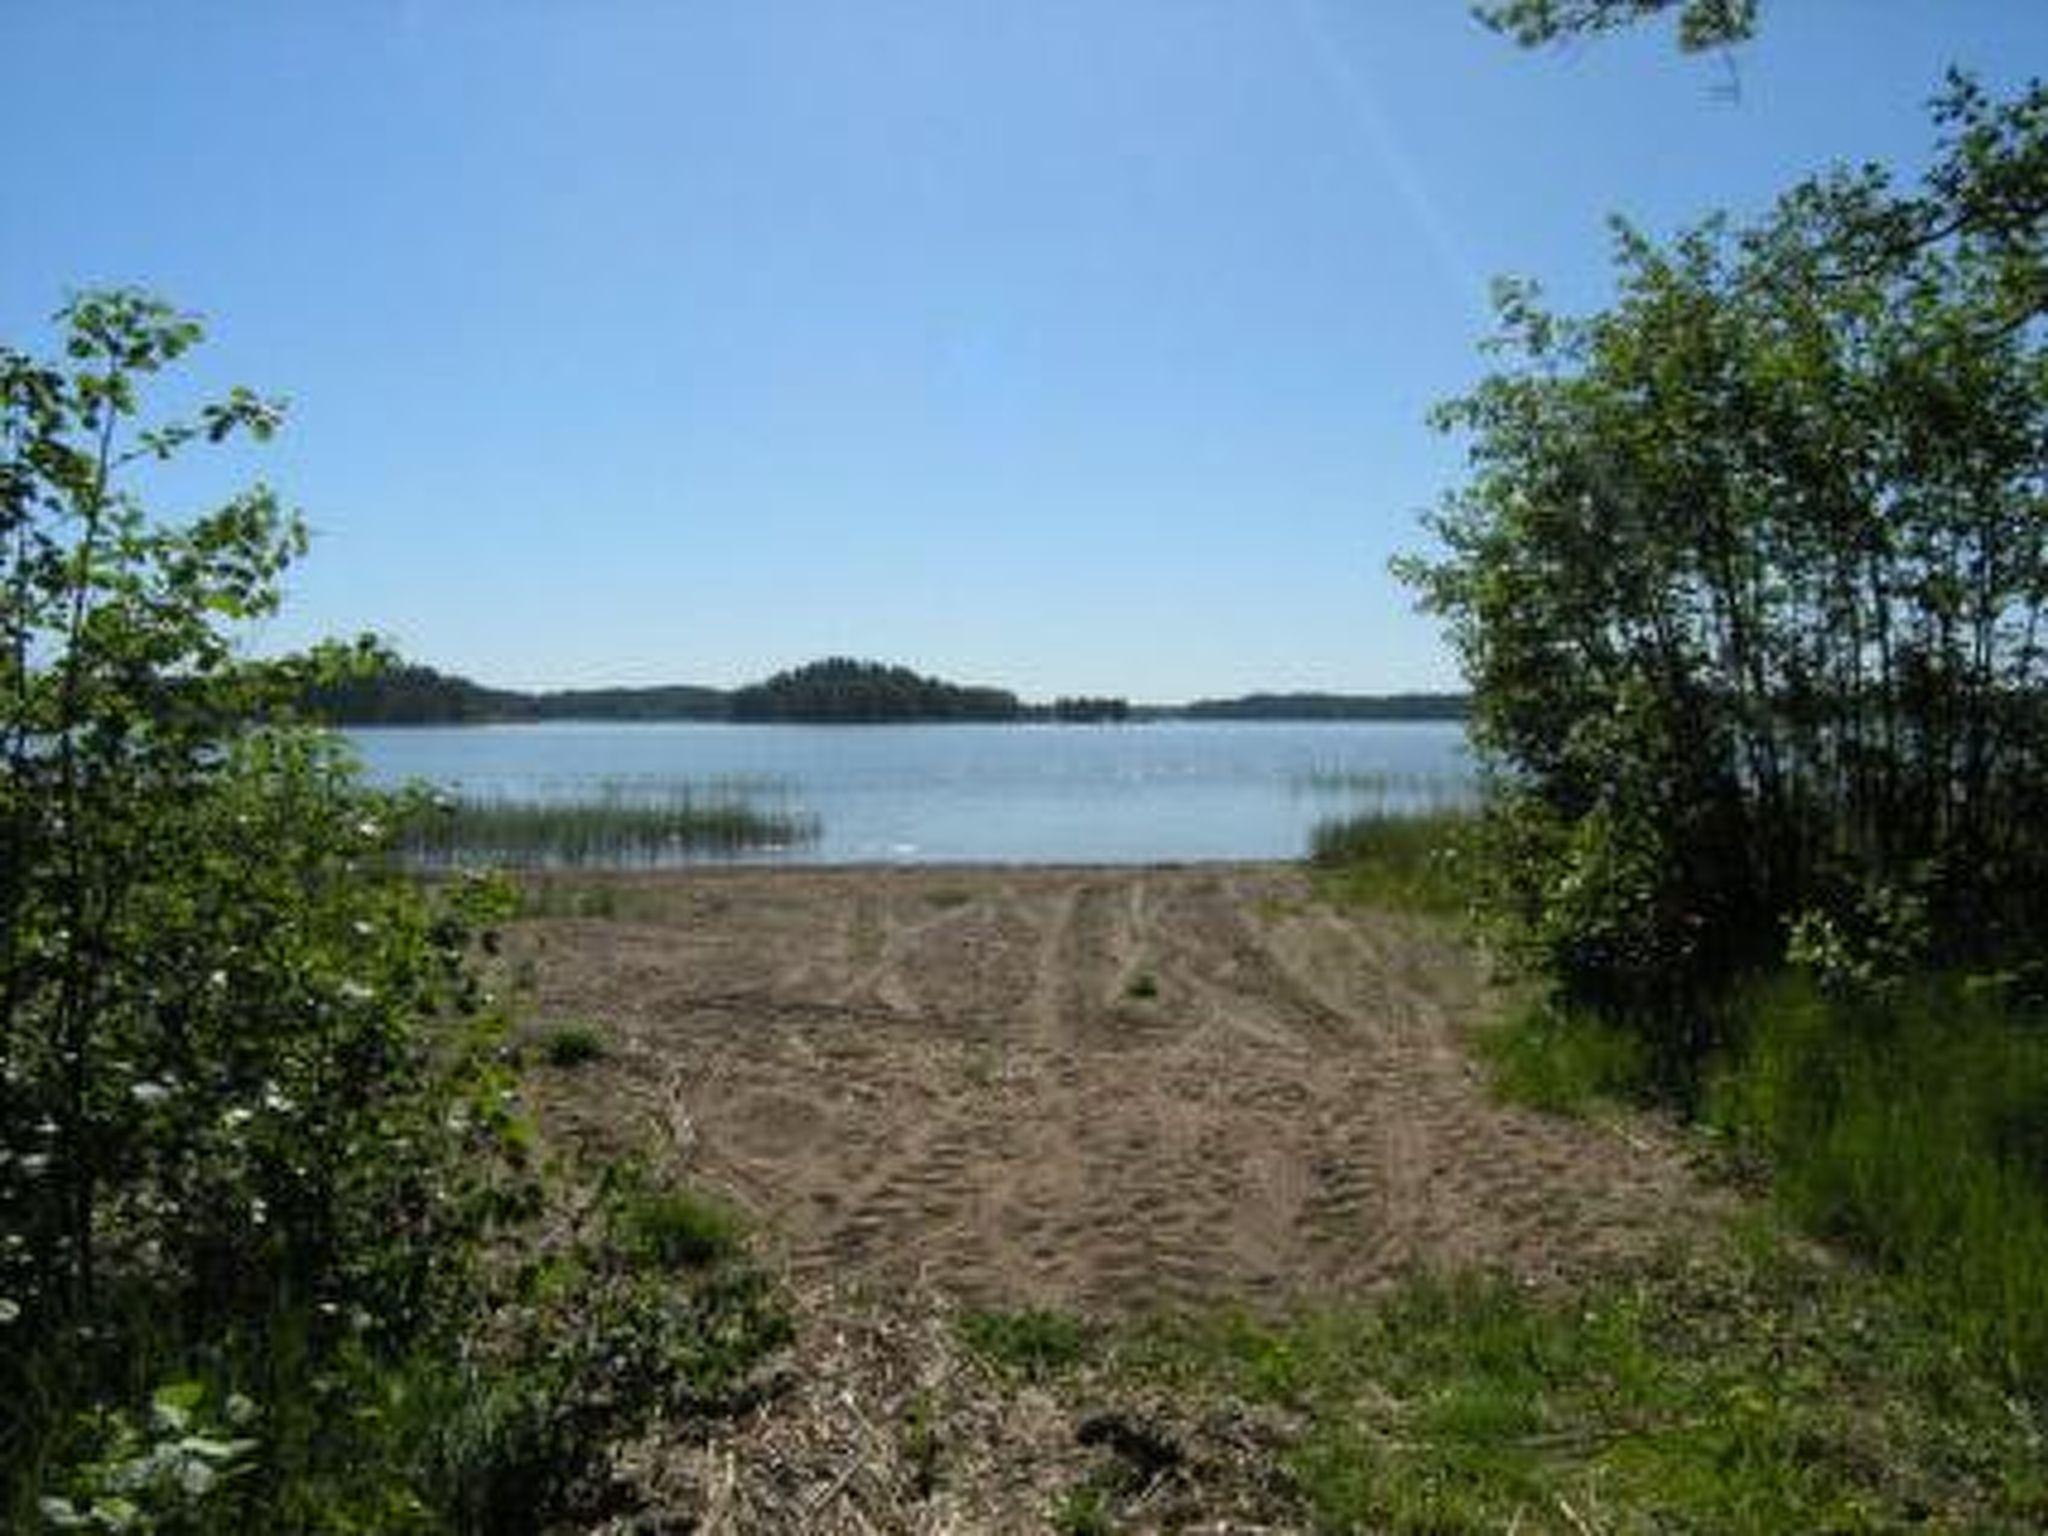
(952, 1074)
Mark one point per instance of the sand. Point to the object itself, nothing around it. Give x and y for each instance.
(1107, 1089)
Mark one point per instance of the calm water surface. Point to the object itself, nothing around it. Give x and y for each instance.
(983, 793)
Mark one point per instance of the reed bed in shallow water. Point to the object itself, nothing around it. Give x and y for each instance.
(613, 829)
(1389, 791)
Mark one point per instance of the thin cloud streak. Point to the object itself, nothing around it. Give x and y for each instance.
(1360, 105)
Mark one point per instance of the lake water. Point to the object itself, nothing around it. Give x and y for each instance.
(1114, 794)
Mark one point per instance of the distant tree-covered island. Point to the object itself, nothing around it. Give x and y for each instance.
(838, 690)
(410, 694)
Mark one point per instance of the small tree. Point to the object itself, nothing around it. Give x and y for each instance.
(242, 1080)
(1749, 583)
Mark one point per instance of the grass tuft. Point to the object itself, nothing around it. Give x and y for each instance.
(669, 1229)
(572, 1045)
(1405, 862)
(1564, 1061)
(1035, 1343)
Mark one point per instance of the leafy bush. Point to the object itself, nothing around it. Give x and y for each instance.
(258, 1136)
(163, 1470)
(244, 1071)
(1748, 579)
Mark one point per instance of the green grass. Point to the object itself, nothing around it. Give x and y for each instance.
(613, 829)
(572, 1045)
(673, 1228)
(1034, 1344)
(1912, 1129)
(1084, 1510)
(1756, 1390)
(1407, 862)
(1893, 1375)
(1564, 1061)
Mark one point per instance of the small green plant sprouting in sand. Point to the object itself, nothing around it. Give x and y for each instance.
(572, 1045)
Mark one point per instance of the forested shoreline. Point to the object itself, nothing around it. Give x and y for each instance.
(837, 690)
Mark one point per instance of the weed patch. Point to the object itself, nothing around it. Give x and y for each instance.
(1567, 1062)
(1759, 1390)
(1034, 1344)
(572, 1045)
(669, 1228)
(1409, 863)
(1910, 1127)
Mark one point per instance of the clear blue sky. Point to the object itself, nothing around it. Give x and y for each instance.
(1067, 345)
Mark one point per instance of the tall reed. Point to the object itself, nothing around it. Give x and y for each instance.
(613, 829)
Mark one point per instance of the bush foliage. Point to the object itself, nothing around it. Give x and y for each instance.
(255, 1125)
(1749, 580)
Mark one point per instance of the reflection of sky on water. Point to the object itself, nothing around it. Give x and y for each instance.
(949, 793)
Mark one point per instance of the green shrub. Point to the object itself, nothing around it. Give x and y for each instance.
(261, 1155)
(1745, 577)
(572, 1045)
(667, 1227)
